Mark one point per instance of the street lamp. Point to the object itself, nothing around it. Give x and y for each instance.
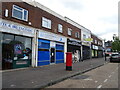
(114, 36)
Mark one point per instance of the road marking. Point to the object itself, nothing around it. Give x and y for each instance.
(12, 85)
(109, 76)
(96, 81)
(99, 86)
(105, 80)
(88, 79)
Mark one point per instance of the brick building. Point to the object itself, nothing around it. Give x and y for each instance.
(33, 35)
(97, 46)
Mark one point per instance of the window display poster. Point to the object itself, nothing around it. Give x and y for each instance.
(18, 49)
(76, 55)
(92, 53)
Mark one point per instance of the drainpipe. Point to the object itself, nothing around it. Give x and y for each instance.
(36, 48)
(90, 51)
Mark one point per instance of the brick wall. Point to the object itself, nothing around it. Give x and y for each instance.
(35, 15)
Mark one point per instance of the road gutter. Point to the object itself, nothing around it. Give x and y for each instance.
(69, 76)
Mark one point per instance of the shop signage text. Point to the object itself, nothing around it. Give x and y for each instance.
(50, 36)
(16, 27)
(95, 47)
(73, 42)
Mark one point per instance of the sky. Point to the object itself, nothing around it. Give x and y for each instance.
(99, 16)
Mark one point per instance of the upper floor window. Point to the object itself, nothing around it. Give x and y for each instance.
(106, 44)
(84, 36)
(95, 41)
(99, 43)
(46, 23)
(19, 13)
(77, 35)
(69, 31)
(60, 28)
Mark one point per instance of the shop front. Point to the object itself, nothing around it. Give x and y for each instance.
(86, 50)
(94, 51)
(100, 51)
(74, 46)
(16, 45)
(51, 49)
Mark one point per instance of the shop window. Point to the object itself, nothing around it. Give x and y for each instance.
(95, 41)
(69, 31)
(22, 47)
(16, 51)
(77, 35)
(8, 38)
(19, 13)
(92, 53)
(43, 44)
(7, 51)
(60, 28)
(59, 47)
(46, 23)
(84, 36)
(26, 41)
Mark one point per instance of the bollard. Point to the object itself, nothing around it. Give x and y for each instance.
(69, 61)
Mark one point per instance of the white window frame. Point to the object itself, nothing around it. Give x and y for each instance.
(99, 42)
(84, 36)
(60, 28)
(47, 22)
(77, 35)
(23, 18)
(95, 41)
(69, 31)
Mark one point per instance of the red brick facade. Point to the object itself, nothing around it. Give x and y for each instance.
(99, 42)
(35, 15)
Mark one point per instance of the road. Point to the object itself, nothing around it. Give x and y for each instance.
(102, 77)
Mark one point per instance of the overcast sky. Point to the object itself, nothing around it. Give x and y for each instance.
(99, 16)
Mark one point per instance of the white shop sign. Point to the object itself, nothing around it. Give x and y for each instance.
(50, 36)
(95, 47)
(15, 28)
(52, 44)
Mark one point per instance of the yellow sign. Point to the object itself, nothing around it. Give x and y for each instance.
(89, 39)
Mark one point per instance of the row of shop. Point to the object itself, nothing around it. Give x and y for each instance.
(97, 51)
(23, 46)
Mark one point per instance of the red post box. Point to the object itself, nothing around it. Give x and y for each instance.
(69, 61)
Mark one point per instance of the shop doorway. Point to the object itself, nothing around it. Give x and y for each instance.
(7, 52)
(16, 51)
(52, 54)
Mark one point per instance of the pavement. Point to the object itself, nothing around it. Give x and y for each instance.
(44, 76)
(105, 76)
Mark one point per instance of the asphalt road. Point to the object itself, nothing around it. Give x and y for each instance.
(102, 77)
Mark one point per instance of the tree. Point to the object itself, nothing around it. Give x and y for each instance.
(116, 44)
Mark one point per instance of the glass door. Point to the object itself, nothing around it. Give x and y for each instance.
(52, 54)
(7, 51)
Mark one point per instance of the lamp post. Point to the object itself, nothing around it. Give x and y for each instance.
(114, 36)
(104, 46)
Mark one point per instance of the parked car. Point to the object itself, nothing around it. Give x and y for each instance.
(115, 57)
